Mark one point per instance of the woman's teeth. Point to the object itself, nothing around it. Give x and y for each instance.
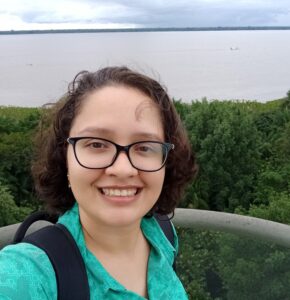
(119, 192)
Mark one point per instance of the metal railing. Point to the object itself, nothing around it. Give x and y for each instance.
(251, 227)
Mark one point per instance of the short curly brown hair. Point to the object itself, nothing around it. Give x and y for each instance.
(50, 169)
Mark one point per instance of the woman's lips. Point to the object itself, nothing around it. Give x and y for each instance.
(121, 195)
(124, 192)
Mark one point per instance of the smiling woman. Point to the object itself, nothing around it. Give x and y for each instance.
(117, 154)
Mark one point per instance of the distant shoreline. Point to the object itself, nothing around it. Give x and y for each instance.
(49, 31)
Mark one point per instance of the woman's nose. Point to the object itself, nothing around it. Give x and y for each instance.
(122, 167)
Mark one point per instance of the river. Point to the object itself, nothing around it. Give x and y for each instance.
(251, 65)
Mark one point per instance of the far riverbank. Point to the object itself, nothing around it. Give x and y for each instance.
(154, 29)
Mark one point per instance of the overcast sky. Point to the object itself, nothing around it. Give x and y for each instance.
(63, 14)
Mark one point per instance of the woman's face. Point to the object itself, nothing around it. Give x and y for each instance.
(118, 195)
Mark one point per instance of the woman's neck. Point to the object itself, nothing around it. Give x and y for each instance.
(111, 239)
(123, 252)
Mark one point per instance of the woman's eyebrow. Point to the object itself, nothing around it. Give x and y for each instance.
(99, 131)
(148, 136)
(95, 131)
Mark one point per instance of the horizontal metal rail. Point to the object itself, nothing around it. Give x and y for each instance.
(7, 232)
(254, 228)
(250, 227)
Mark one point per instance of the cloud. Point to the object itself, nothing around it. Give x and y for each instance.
(204, 13)
(63, 14)
(18, 14)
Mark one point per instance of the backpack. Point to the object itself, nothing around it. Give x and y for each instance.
(68, 264)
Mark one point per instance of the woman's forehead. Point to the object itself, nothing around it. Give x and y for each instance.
(122, 107)
(120, 96)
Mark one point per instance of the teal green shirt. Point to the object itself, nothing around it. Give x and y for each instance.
(27, 274)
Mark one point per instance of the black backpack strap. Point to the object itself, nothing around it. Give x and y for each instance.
(166, 226)
(34, 217)
(68, 264)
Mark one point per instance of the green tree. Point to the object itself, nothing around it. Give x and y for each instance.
(17, 131)
(274, 174)
(286, 102)
(197, 259)
(253, 270)
(10, 213)
(227, 144)
(16, 152)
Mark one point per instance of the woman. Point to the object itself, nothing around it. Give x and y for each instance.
(117, 154)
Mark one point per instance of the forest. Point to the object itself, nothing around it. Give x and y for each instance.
(243, 153)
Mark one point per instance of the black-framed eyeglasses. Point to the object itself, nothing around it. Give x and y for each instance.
(98, 153)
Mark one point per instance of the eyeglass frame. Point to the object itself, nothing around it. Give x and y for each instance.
(119, 148)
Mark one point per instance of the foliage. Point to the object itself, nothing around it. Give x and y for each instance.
(196, 264)
(228, 150)
(10, 213)
(253, 270)
(17, 129)
(15, 157)
(237, 142)
(214, 265)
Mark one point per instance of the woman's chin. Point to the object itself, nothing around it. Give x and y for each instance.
(123, 218)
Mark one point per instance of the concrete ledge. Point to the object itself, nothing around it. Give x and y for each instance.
(250, 227)
(7, 232)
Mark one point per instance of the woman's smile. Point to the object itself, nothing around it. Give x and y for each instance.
(121, 196)
(124, 192)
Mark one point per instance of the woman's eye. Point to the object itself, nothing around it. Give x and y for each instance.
(96, 145)
(144, 148)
